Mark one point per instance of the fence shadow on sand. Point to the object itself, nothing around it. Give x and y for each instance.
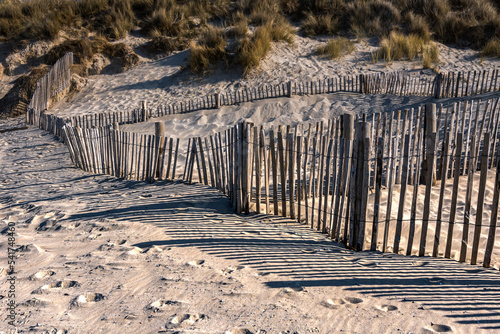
(199, 216)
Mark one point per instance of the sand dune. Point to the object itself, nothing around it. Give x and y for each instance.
(100, 254)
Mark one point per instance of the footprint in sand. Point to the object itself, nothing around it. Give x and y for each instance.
(365, 263)
(437, 328)
(239, 331)
(292, 289)
(387, 308)
(196, 262)
(33, 302)
(106, 247)
(309, 251)
(188, 319)
(86, 299)
(160, 305)
(42, 275)
(353, 300)
(419, 263)
(56, 286)
(435, 280)
(332, 304)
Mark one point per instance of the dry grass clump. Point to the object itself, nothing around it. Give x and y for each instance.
(336, 48)
(281, 30)
(85, 49)
(170, 22)
(398, 47)
(115, 21)
(430, 55)
(253, 49)
(164, 44)
(492, 48)
(319, 24)
(239, 25)
(373, 17)
(210, 49)
(418, 26)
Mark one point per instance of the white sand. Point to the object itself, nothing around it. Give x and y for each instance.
(101, 255)
(163, 81)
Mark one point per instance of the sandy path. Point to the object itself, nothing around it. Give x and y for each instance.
(101, 255)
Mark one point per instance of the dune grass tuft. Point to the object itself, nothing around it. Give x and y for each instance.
(398, 46)
(492, 48)
(319, 24)
(253, 49)
(210, 49)
(430, 55)
(336, 48)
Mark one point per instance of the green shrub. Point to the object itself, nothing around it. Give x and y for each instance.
(336, 48)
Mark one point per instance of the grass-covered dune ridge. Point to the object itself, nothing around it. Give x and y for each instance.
(249, 25)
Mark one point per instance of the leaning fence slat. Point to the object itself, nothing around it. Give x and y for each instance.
(404, 182)
(480, 198)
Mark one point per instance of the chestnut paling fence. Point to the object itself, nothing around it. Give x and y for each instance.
(375, 183)
(410, 181)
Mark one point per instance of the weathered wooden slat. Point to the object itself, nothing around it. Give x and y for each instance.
(402, 194)
(493, 220)
(480, 198)
(281, 159)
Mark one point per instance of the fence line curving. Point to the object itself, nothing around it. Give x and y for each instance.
(339, 177)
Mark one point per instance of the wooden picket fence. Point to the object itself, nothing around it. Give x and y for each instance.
(107, 150)
(403, 83)
(52, 84)
(440, 85)
(332, 177)
(339, 177)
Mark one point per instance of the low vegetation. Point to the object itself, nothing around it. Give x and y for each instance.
(336, 48)
(492, 48)
(85, 49)
(210, 48)
(408, 47)
(177, 24)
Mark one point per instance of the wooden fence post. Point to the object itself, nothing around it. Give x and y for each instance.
(361, 184)
(429, 128)
(480, 197)
(217, 100)
(160, 138)
(144, 111)
(493, 220)
(430, 146)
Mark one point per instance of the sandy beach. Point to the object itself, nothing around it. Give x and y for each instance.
(96, 254)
